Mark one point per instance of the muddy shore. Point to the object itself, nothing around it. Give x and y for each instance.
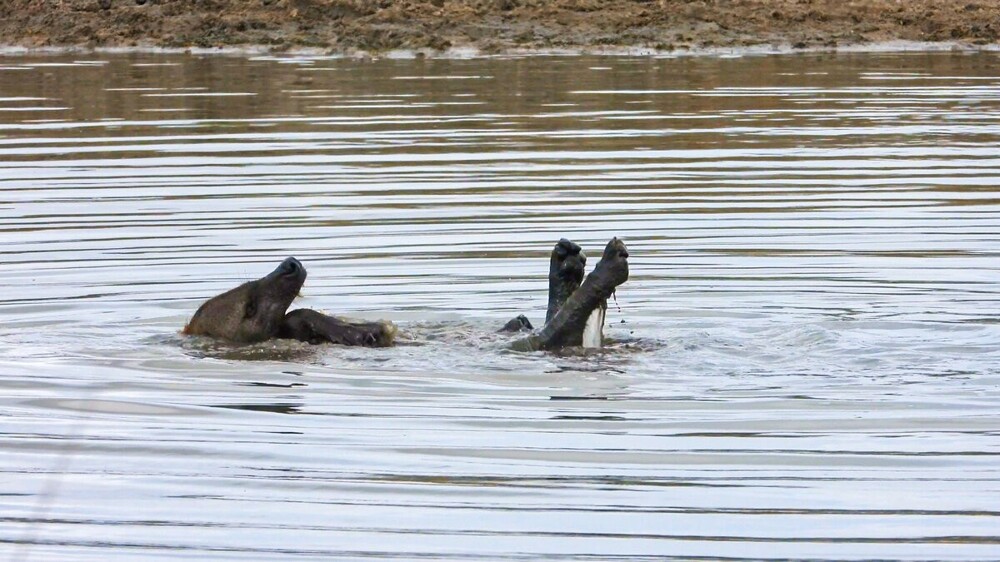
(494, 26)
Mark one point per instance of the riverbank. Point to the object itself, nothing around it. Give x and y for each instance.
(498, 26)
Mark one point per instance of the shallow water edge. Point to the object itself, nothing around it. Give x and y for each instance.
(884, 47)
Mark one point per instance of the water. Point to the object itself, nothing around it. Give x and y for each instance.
(806, 366)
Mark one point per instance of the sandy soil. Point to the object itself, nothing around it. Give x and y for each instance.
(495, 25)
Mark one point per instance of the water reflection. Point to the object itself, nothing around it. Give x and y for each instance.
(807, 367)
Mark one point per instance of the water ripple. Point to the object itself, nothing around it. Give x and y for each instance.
(804, 361)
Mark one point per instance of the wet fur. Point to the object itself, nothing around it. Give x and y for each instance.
(252, 312)
(566, 328)
(316, 328)
(256, 311)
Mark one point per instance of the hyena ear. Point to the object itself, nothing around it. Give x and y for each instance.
(250, 308)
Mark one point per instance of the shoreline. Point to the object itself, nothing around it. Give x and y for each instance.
(457, 28)
(473, 53)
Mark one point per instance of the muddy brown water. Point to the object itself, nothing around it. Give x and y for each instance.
(807, 363)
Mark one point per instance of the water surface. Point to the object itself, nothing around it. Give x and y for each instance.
(807, 365)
